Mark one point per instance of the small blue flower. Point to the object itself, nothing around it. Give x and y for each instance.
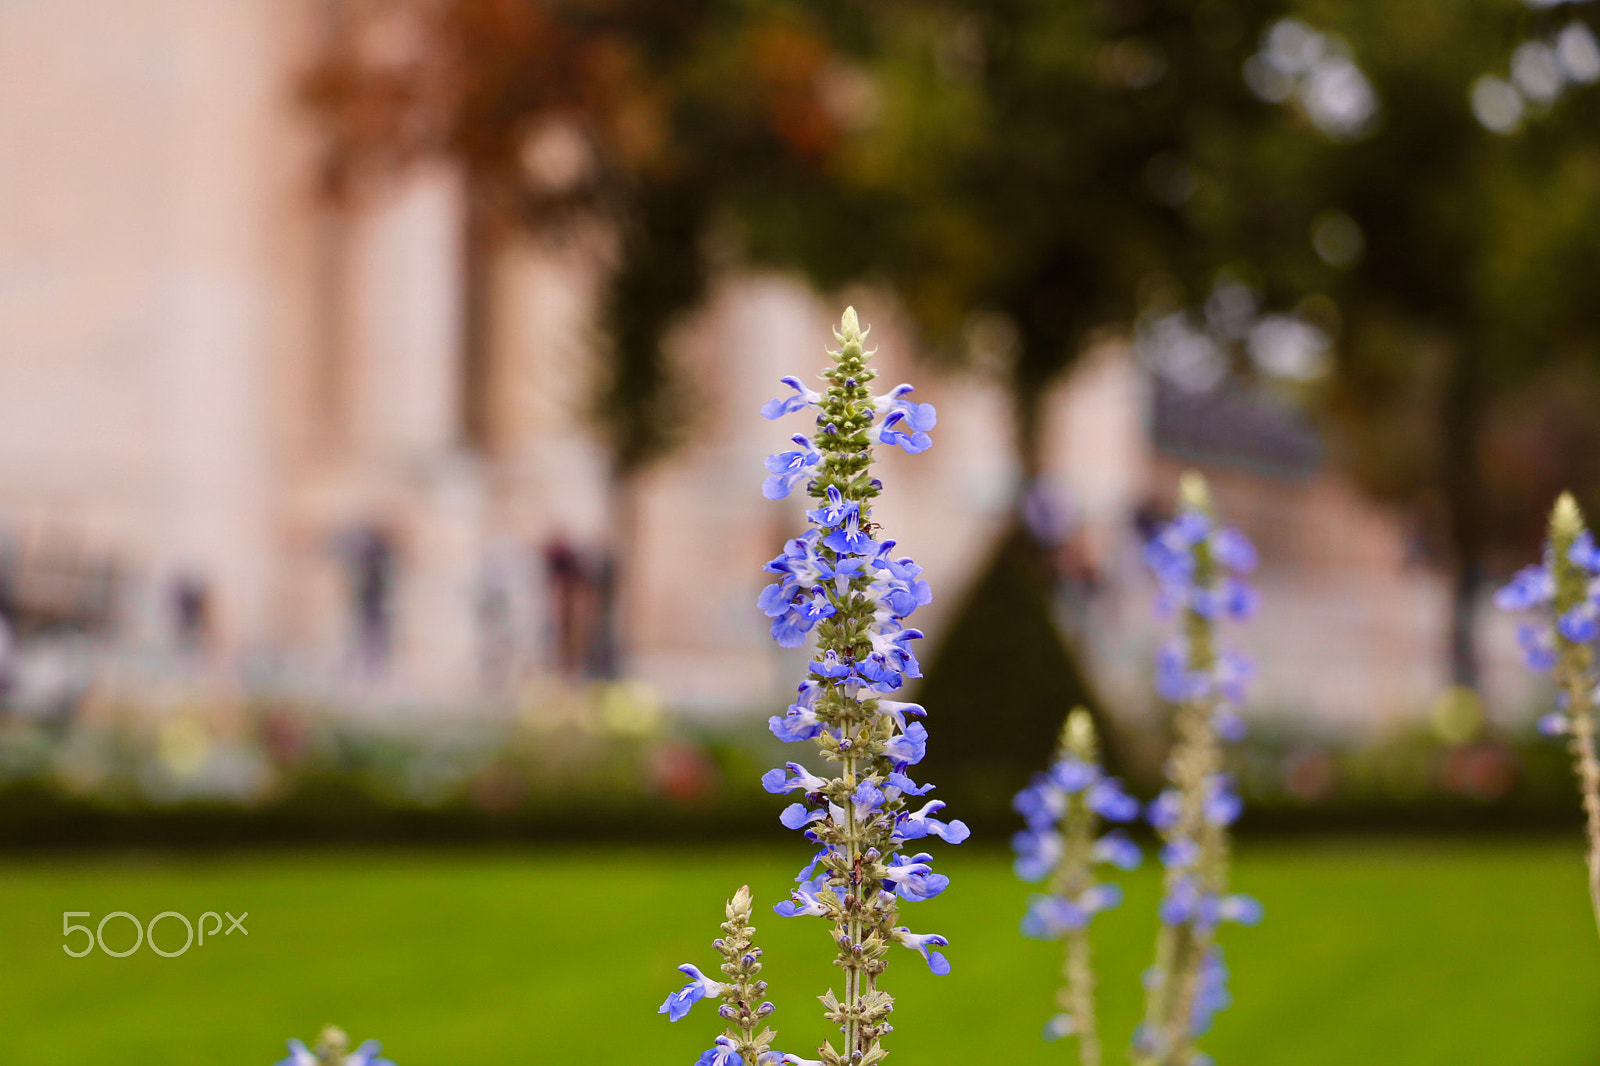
(1072, 775)
(848, 538)
(907, 786)
(900, 711)
(817, 607)
(1222, 806)
(1581, 624)
(798, 562)
(866, 800)
(1041, 803)
(790, 630)
(1163, 811)
(789, 777)
(1238, 600)
(800, 723)
(798, 816)
(913, 443)
(1038, 852)
(1538, 647)
(1052, 917)
(922, 943)
(1117, 849)
(1058, 1027)
(784, 405)
(904, 590)
(901, 569)
(921, 823)
(724, 1053)
(1180, 852)
(1234, 671)
(786, 468)
(913, 879)
(1240, 909)
(1181, 903)
(1107, 799)
(842, 572)
(830, 666)
(1554, 724)
(1530, 587)
(1227, 723)
(808, 899)
(1175, 682)
(909, 747)
(835, 511)
(699, 987)
(1584, 553)
(1212, 994)
(776, 599)
(920, 416)
(1233, 550)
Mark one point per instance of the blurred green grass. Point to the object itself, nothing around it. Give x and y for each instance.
(1391, 952)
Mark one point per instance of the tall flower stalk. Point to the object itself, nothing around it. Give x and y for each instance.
(742, 1006)
(1200, 567)
(1063, 808)
(838, 583)
(1565, 593)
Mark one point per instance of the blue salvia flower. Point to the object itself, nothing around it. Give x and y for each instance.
(1564, 593)
(1211, 991)
(1062, 809)
(742, 1006)
(1201, 567)
(850, 591)
(333, 1049)
(785, 468)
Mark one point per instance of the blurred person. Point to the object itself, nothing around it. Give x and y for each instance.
(564, 571)
(370, 561)
(191, 613)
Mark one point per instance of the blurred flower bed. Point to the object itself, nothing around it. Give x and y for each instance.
(1449, 771)
(576, 760)
(605, 760)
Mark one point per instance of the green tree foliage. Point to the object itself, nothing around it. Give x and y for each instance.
(1467, 323)
(666, 111)
(1036, 161)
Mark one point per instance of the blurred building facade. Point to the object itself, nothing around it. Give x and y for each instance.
(243, 446)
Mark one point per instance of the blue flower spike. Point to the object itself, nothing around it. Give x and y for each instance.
(1563, 595)
(841, 589)
(1200, 566)
(1063, 808)
(740, 994)
(850, 591)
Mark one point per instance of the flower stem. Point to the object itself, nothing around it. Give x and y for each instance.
(1080, 995)
(1573, 665)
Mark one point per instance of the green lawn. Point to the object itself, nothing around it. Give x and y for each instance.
(1406, 953)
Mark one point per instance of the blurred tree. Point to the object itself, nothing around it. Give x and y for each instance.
(1030, 172)
(1461, 260)
(1025, 173)
(564, 115)
(1026, 169)
(623, 111)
